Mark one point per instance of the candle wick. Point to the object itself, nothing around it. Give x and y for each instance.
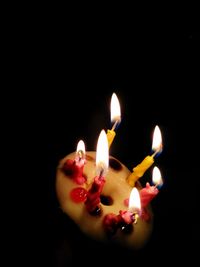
(158, 184)
(156, 152)
(115, 125)
(80, 155)
(101, 174)
(136, 217)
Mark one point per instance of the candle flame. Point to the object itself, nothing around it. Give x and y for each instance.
(156, 176)
(80, 147)
(134, 201)
(115, 108)
(80, 152)
(102, 155)
(157, 139)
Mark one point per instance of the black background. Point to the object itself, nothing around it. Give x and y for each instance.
(69, 87)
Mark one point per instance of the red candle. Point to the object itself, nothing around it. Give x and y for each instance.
(111, 223)
(125, 218)
(74, 168)
(93, 197)
(122, 221)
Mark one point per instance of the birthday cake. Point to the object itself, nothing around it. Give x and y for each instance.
(105, 223)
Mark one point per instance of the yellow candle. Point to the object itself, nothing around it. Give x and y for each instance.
(115, 117)
(110, 136)
(141, 168)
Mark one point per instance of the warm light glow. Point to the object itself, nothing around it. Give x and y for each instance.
(156, 176)
(115, 108)
(134, 201)
(81, 147)
(102, 155)
(157, 140)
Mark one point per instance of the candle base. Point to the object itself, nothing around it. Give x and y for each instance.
(115, 191)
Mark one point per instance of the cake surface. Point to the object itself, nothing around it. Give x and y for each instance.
(114, 197)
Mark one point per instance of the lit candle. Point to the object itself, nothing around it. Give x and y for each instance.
(115, 118)
(102, 158)
(125, 218)
(140, 169)
(149, 192)
(99, 205)
(134, 209)
(74, 168)
(80, 154)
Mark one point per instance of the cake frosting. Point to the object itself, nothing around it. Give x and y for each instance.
(72, 196)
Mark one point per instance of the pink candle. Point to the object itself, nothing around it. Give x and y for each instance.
(127, 216)
(147, 194)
